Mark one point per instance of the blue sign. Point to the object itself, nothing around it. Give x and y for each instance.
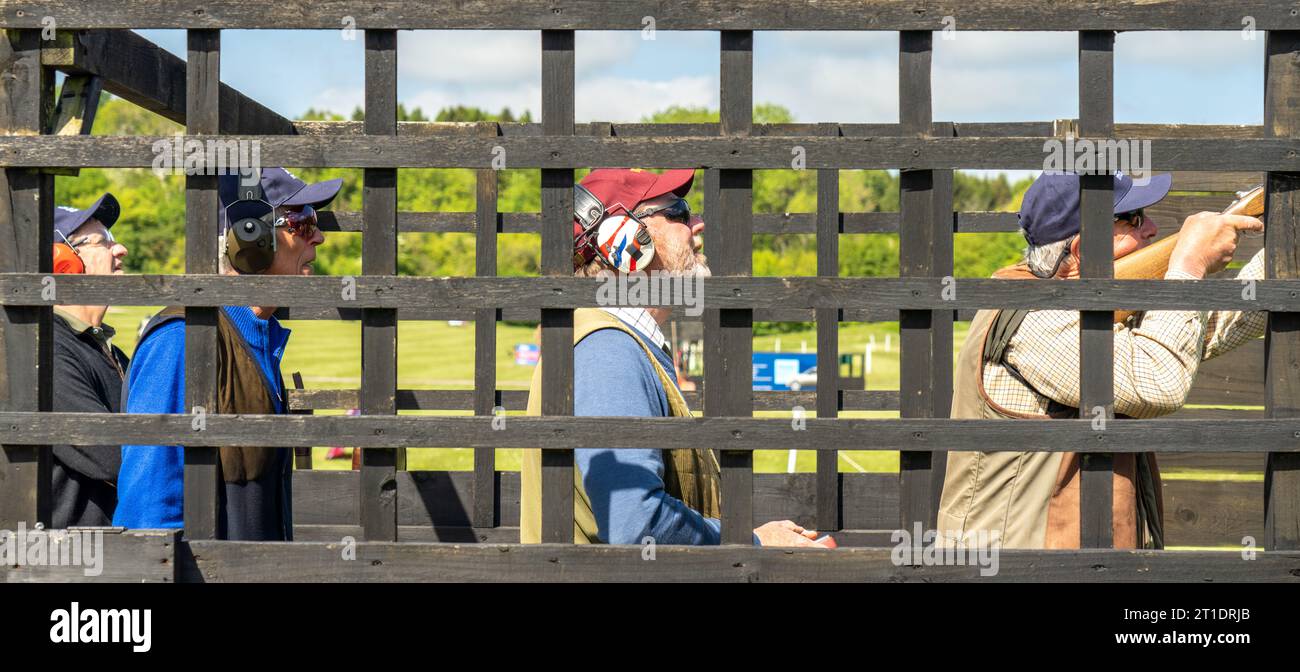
(779, 370)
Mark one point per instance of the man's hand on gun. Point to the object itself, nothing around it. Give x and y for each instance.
(1207, 242)
(786, 533)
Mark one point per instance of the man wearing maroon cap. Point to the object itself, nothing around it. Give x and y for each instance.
(635, 222)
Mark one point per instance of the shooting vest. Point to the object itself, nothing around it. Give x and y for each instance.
(1031, 498)
(689, 475)
(241, 389)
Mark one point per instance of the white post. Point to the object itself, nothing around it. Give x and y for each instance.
(887, 342)
(866, 362)
(778, 344)
(789, 466)
(803, 347)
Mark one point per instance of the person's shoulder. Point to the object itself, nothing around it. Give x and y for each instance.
(168, 335)
(610, 342)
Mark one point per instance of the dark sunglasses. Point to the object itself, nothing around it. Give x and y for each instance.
(300, 222)
(678, 211)
(1135, 218)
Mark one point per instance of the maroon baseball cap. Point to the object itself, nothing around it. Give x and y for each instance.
(622, 189)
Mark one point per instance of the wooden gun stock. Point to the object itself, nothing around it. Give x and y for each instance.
(1152, 261)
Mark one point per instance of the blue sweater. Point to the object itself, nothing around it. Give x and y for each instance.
(612, 377)
(150, 486)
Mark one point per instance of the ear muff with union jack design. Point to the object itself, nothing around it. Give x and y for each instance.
(622, 242)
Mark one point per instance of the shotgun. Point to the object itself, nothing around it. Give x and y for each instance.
(1152, 261)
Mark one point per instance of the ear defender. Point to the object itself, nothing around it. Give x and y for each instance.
(624, 243)
(66, 259)
(250, 245)
(250, 241)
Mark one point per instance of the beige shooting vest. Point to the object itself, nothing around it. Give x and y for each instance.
(689, 475)
(1031, 498)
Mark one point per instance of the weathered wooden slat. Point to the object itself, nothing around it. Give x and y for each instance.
(301, 455)
(557, 261)
(785, 297)
(917, 252)
(1282, 379)
(26, 231)
(318, 562)
(203, 108)
(140, 71)
(992, 130)
(121, 556)
(827, 493)
(739, 153)
(517, 400)
(669, 15)
(941, 321)
(724, 433)
(485, 337)
(379, 466)
(729, 334)
(1096, 248)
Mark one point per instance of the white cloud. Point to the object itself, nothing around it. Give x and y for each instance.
(461, 57)
(628, 100)
(339, 100)
(1202, 52)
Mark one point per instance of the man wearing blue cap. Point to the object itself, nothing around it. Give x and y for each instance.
(1025, 364)
(87, 366)
(269, 228)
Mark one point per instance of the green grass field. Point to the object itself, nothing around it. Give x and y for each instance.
(436, 355)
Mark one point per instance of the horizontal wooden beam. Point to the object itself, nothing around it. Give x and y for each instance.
(400, 292)
(104, 555)
(140, 71)
(317, 562)
(1066, 15)
(731, 152)
(517, 400)
(725, 433)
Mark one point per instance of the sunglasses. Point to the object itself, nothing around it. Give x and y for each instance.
(678, 211)
(105, 241)
(1135, 218)
(300, 222)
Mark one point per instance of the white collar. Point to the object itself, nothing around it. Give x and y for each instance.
(641, 320)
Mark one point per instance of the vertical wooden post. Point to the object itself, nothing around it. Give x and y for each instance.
(557, 259)
(26, 233)
(729, 333)
(379, 466)
(1282, 239)
(945, 224)
(485, 337)
(1097, 257)
(828, 342)
(202, 114)
(916, 244)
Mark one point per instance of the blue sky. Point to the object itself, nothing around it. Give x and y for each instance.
(1209, 77)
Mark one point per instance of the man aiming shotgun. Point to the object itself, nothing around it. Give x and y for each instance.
(1025, 364)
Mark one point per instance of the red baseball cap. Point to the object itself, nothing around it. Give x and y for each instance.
(622, 189)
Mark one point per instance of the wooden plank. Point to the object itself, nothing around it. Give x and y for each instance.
(26, 230)
(1235, 378)
(827, 493)
(941, 321)
(301, 455)
(557, 260)
(1282, 238)
(517, 400)
(318, 562)
(1063, 15)
(916, 258)
(728, 334)
(1214, 513)
(486, 397)
(379, 466)
(1096, 338)
(110, 555)
(780, 298)
(136, 69)
(729, 433)
(741, 153)
(202, 486)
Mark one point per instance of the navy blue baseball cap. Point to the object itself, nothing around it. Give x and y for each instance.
(67, 220)
(1050, 210)
(279, 187)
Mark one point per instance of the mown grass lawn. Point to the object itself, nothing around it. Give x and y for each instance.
(437, 355)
